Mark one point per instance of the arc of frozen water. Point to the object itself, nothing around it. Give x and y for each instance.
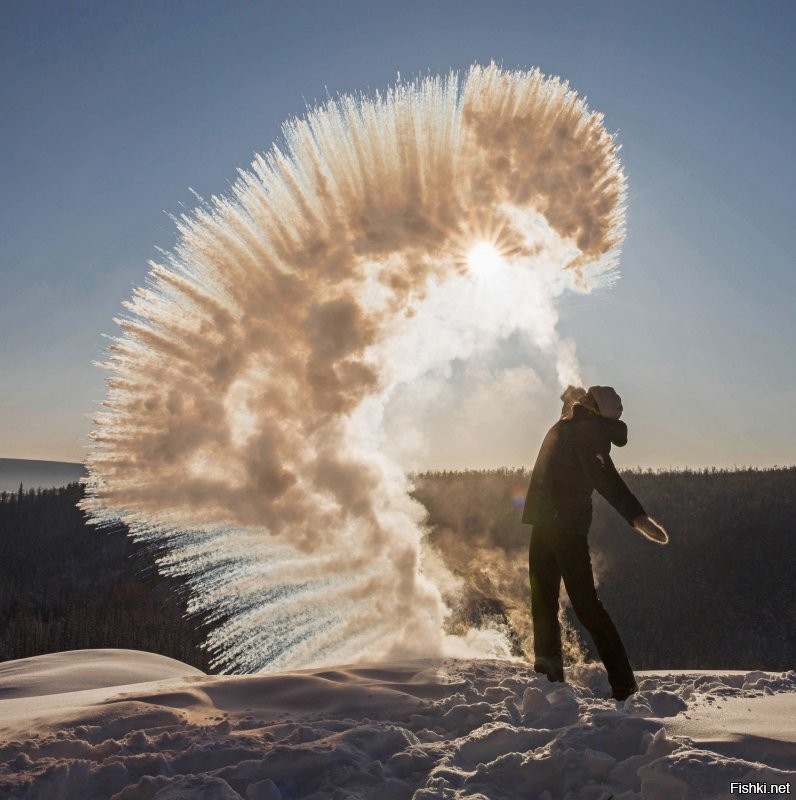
(242, 431)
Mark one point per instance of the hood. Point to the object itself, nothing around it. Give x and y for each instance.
(615, 429)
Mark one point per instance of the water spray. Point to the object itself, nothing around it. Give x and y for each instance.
(243, 433)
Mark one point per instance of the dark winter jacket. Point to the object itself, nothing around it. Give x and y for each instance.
(573, 461)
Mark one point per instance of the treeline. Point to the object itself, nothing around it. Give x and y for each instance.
(64, 585)
(721, 595)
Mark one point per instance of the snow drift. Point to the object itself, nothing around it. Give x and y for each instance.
(419, 730)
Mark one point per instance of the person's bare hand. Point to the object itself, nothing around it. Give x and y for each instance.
(651, 530)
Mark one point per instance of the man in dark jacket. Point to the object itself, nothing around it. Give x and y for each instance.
(573, 461)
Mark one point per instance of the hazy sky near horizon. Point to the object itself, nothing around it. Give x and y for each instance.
(111, 111)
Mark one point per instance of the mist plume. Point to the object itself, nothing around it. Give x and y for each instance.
(243, 433)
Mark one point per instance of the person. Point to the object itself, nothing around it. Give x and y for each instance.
(574, 460)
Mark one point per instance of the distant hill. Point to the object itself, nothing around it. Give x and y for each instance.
(33, 474)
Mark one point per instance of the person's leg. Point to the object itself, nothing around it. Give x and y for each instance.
(545, 583)
(574, 561)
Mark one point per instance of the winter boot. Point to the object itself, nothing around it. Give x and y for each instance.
(554, 672)
(623, 692)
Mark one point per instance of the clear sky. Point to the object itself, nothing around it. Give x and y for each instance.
(111, 111)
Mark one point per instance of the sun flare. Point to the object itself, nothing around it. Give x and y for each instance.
(483, 258)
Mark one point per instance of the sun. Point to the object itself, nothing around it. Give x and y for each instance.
(483, 259)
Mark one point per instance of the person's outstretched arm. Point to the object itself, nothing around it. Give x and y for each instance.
(599, 466)
(596, 462)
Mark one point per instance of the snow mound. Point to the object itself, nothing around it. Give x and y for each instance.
(419, 730)
(77, 670)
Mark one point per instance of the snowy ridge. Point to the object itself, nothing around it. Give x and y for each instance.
(474, 730)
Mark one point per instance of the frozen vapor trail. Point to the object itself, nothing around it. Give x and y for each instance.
(243, 433)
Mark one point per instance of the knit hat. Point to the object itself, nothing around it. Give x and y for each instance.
(608, 401)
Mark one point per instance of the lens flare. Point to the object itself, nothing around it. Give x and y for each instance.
(518, 491)
(243, 432)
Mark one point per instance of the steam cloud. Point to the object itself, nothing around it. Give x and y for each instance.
(243, 431)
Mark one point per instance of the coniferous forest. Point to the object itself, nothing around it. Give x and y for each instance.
(66, 585)
(721, 595)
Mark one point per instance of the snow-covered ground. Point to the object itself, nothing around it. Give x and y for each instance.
(134, 726)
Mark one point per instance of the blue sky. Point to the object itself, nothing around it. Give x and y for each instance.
(111, 111)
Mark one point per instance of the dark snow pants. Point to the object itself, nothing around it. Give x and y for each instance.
(554, 555)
